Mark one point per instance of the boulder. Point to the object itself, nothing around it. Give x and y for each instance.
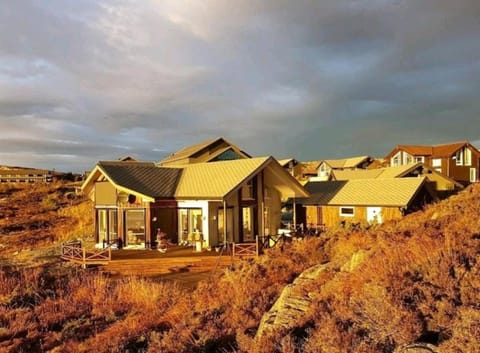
(417, 348)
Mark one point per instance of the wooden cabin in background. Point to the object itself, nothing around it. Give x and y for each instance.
(332, 203)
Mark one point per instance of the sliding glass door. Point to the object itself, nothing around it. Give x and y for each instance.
(107, 226)
(135, 227)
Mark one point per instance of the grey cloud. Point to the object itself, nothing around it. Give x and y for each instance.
(304, 79)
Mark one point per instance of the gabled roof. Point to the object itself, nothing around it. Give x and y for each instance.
(384, 173)
(351, 162)
(212, 181)
(220, 179)
(321, 192)
(397, 192)
(141, 178)
(348, 174)
(310, 167)
(408, 170)
(441, 150)
(195, 151)
(284, 162)
(448, 150)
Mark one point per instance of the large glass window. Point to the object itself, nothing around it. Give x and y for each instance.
(229, 221)
(468, 157)
(396, 160)
(113, 225)
(102, 226)
(107, 226)
(190, 225)
(459, 157)
(247, 217)
(135, 226)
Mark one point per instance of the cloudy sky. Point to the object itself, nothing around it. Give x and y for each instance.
(82, 81)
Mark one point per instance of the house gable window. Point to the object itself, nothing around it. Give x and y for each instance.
(420, 159)
(323, 170)
(407, 158)
(228, 155)
(396, 160)
(347, 211)
(468, 156)
(437, 164)
(459, 157)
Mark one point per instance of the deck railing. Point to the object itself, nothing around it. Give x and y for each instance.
(247, 249)
(81, 255)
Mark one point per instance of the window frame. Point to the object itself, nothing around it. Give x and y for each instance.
(343, 214)
(459, 157)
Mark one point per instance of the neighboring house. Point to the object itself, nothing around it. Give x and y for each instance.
(218, 149)
(459, 161)
(328, 165)
(309, 169)
(332, 203)
(27, 175)
(214, 202)
(440, 182)
(293, 166)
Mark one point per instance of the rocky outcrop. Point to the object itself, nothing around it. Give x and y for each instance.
(292, 304)
(417, 348)
(294, 301)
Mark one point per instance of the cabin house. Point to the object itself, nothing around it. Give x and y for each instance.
(328, 165)
(293, 166)
(309, 170)
(459, 161)
(211, 202)
(333, 203)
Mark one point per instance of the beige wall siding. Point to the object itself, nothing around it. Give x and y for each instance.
(105, 194)
(331, 215)
(274, 203)
(213, 225)
(312, 215)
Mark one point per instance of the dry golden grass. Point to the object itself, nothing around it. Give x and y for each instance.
(415, 279)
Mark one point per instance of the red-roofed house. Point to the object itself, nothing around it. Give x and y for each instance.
(459, 160)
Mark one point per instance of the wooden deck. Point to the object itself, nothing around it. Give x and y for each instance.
(176, 260)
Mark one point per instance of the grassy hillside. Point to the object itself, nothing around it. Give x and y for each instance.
(413, 280)
(36, 218)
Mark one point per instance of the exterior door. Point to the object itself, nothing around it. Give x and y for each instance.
(374, 215)
(473, 175)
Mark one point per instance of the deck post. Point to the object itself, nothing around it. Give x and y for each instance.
(84, 258)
